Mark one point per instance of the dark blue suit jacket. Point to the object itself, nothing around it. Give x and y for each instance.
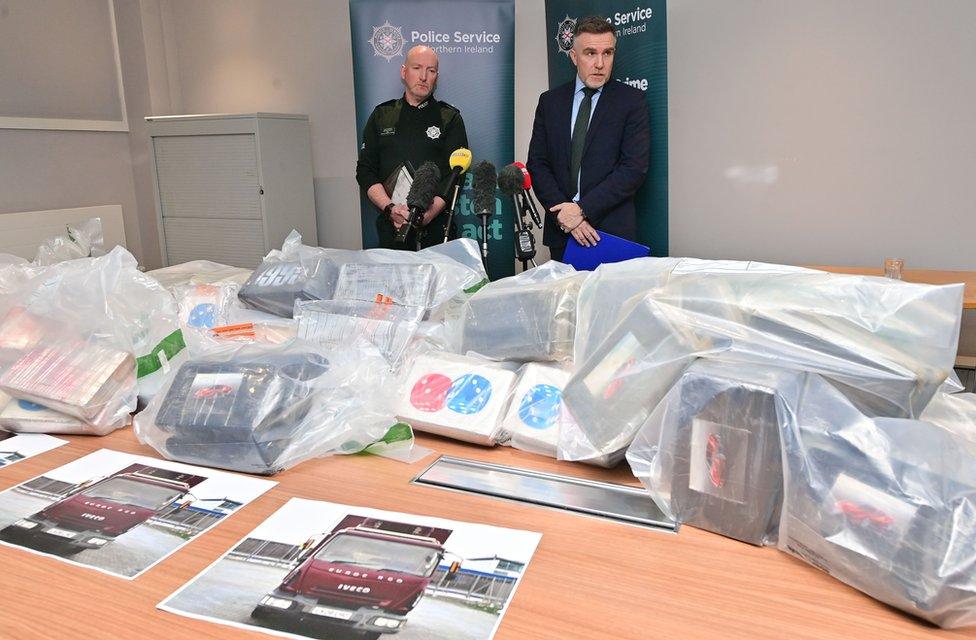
(615, 158)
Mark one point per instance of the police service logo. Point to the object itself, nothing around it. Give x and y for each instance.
(387, 41)
(433, 133)
(564, 34)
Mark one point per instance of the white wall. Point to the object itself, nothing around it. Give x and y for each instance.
(44, 169)
(832, 132)
(64, 169)
(142, 234)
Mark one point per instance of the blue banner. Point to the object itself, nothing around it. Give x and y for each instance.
(475, 42)
(641, 61)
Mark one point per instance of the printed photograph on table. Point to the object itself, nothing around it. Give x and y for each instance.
(119, 513)
(20, 447)
(322, 570)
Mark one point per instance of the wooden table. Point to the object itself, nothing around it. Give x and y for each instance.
(924, 276)
(588, 579)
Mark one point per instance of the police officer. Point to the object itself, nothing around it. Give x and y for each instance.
(416, 127)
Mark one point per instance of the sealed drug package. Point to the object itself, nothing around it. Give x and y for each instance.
(264, 408)
(886, 505)
(709, 453)
(530, 317)
(532, 420)
(455, 396)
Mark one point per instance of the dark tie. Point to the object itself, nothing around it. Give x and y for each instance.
(579, 134)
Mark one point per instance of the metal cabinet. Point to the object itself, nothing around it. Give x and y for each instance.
(230, 187)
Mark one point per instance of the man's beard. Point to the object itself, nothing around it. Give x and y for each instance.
(417, 92)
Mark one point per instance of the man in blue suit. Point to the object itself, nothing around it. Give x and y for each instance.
(590, 146)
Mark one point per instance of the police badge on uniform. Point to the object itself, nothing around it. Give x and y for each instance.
(433, 133)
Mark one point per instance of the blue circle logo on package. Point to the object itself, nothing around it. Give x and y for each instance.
(27, 405)
(203, 316)
(540, 406)
(469, 394)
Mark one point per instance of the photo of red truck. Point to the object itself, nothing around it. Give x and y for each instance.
(98, 511)
(10, 457)
(361, 579)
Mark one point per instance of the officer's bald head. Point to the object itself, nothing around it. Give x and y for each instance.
(423, 53)
(419, 73)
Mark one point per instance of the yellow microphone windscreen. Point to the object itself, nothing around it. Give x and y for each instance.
(461, 159)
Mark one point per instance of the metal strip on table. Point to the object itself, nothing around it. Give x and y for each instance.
(615, 502)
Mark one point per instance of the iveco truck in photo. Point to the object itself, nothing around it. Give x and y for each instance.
(365, 576)
(95, 513)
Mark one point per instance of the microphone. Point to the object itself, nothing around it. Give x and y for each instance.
(510, 180)
(527, 187)
(511, 183)
(419, 198)
(460, 162)
(483, 187)
(526, 178)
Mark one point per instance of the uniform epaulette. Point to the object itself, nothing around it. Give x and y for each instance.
(388, 103)
(449, 106)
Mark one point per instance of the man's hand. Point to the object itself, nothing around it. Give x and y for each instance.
(429, 215)
(400, 215)
(436, 206)
(568, 214)
(585, 234)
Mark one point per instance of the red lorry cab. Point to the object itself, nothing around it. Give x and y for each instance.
(96, 513)
(367, 577)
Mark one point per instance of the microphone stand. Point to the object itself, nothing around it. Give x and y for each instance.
(526, 251)
(484, 215)
(530, 206)
(412, 224)
(450, 210)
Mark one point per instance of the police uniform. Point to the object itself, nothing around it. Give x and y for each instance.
(397, 131)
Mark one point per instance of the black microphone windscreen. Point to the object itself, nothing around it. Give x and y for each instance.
(424, 186)
(483, 187)
(510, 180)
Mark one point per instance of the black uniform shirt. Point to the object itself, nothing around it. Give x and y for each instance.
(397, 131)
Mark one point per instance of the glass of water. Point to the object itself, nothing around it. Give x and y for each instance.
(893, 268)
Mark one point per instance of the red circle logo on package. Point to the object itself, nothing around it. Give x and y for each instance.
(214, 391)
(430, 392)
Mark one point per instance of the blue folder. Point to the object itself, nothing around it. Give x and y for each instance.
(610, 248)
